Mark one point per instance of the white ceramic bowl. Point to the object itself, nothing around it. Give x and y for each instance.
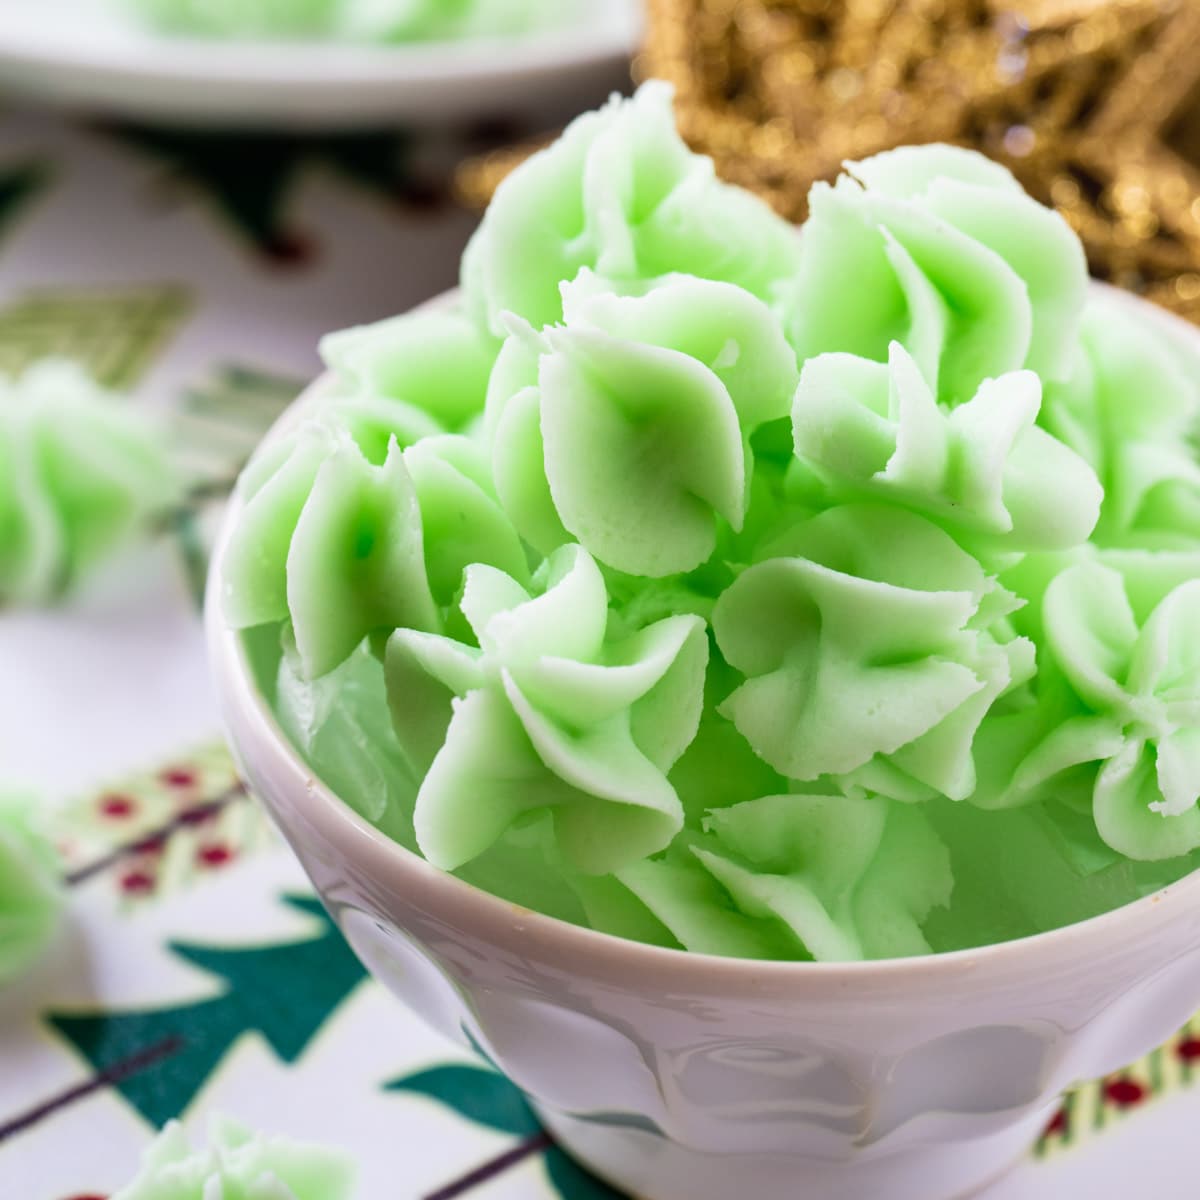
(92, 54)
(681, 1076)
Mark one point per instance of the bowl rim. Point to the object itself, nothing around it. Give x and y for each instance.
(686, 970)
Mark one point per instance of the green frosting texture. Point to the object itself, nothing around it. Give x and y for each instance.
(31, 892)
(939, 249)
(872, 605)
(1135, 685)
(620, 193)
(681, 376)
(982, 468)
(238, 1165)
(80, 472)
(797, 876)
(1129, 409)
(547, 712)
(815, 597)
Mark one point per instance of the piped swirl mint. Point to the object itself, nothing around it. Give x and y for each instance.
(621, 194)
(869, 605)
(831, 877)
(939, 249)
(1137, 690)
(81, 472)
(238, 1165)
(547, 712)
(1129, 409)
(789, 597)
(981, 468)
(678, 376)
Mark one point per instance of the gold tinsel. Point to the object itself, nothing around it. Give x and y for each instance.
(1094, 104)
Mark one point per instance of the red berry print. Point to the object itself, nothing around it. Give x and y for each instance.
(137, 883)
(1124, 1093)
(1189, 1049)
(1058, 1124)
(118, 807)
(179, 777)
(214, 855)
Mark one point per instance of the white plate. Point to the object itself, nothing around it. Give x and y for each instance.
(90, 54)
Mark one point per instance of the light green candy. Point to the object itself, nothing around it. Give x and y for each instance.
(545, 713)
(938, 249)
(982, 467)
(79, 473)
(434, 363)
(1139, 688)
(239, 1165)
(859, 645)
(345, 547)
(426, 20)
(632, 433)
(365, 20)
(31, 892)
(620, 193)
(1130, 409)
(829, 877)
(241, 18)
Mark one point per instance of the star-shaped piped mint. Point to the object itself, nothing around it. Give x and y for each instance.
(80, 471)
(940, 249)
(1131, 408)
(863, 642)
(239, 1165)
(628, 426)
(830, 877)
(546, 713)
(437, 363)
(620, 193)
(982, 467)
(348, 536)
(1139, 692)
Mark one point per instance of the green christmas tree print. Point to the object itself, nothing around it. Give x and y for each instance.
(488, 1099)
(284, 992)
(115, 335)
(248, 178)
(17, 186)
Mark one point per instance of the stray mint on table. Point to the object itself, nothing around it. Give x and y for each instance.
(827, 594)
(239, 1165)
(81, 472)
(371, 20)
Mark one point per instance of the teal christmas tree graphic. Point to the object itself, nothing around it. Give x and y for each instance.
(283, 992)
(17, 186)
(248, 179)
(488, 1099)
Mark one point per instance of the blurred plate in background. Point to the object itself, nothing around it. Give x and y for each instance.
(87, 54)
